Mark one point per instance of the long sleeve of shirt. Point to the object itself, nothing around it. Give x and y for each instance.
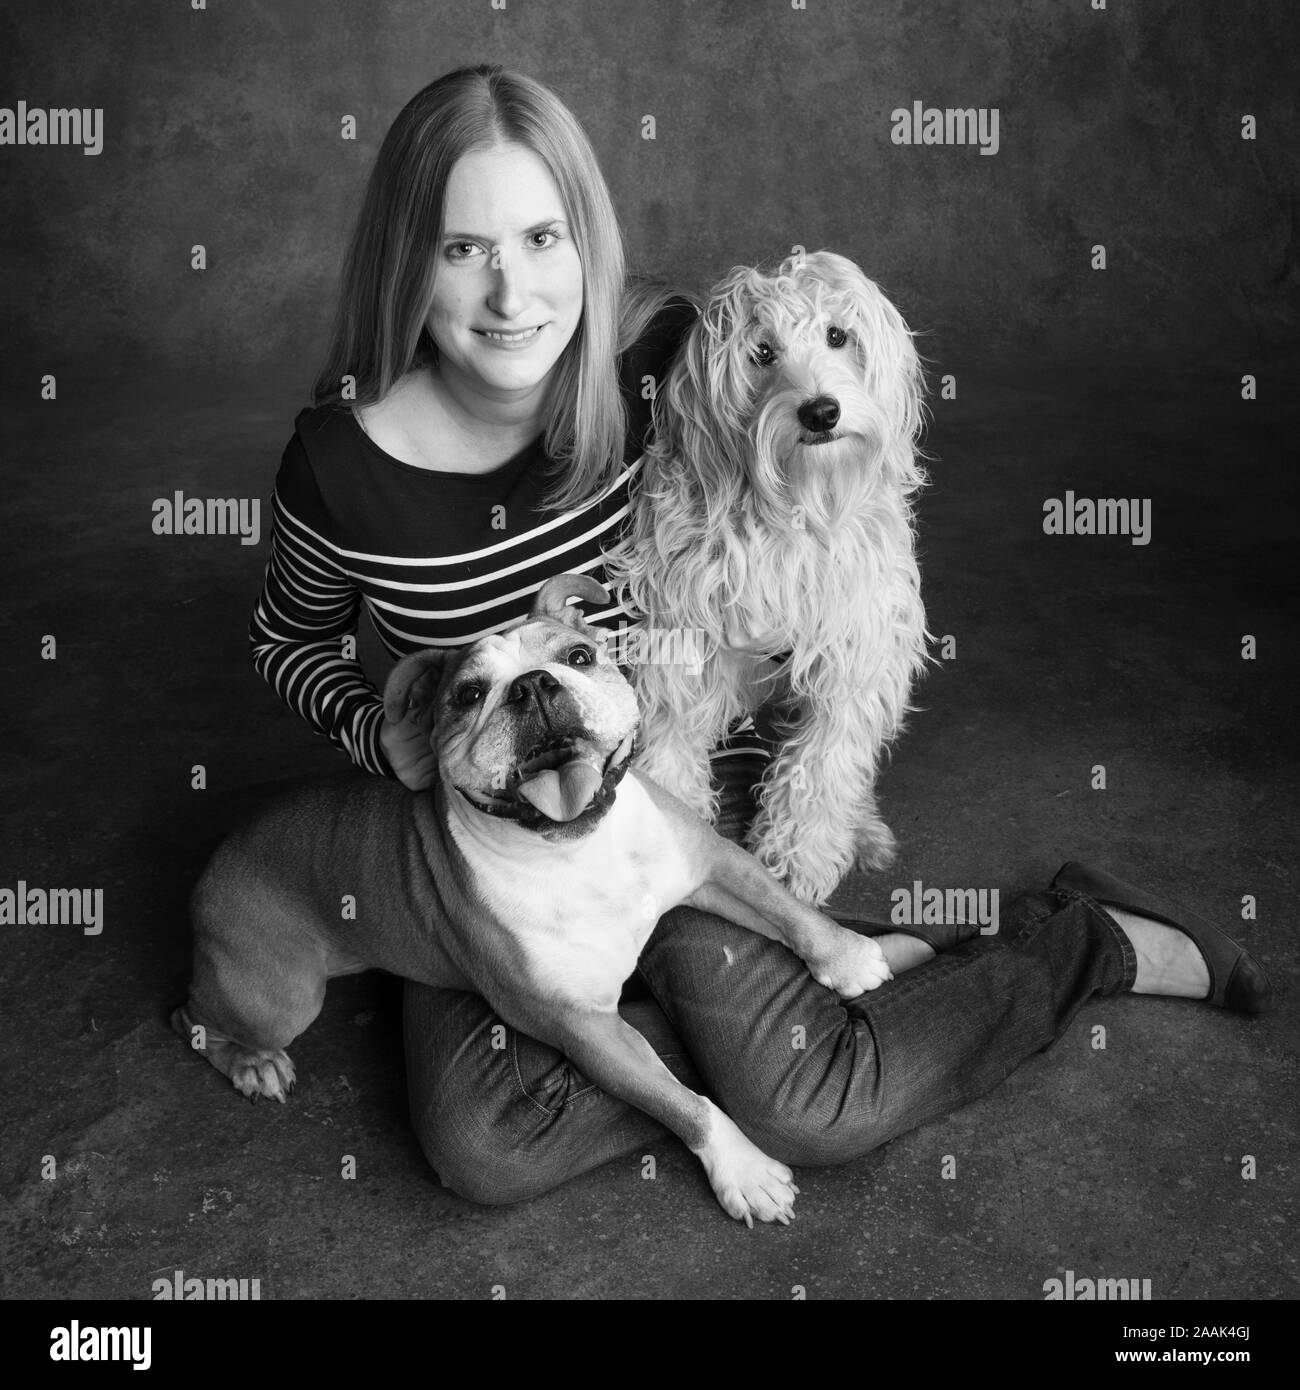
(303, 628)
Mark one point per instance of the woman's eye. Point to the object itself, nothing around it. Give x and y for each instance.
(469, 694)
(581, 656)
(836, 337)
(541, 240)
(461, 250)
(762, 355)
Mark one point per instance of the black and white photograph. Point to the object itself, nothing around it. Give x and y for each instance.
(651, 656)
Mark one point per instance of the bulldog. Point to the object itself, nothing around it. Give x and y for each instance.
(532, 873)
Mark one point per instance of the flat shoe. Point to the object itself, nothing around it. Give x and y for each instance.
(1237, 980)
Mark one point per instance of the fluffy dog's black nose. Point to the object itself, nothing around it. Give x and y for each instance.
(820, 414)
(536, 686)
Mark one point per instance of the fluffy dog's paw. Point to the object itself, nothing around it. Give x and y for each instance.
(874, 846)
(262, 1073)
(851, 965)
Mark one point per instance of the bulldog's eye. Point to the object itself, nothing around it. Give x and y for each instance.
(468, 694)
(836, 337)
(581, 656)
(763, 355)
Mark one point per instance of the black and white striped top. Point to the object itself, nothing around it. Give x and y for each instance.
(438, 559)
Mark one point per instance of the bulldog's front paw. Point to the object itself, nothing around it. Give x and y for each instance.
(749, 1185)
(850, 965)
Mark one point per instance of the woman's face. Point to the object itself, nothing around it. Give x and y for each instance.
(508, 290)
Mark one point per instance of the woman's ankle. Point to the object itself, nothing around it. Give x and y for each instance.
(903, 952)
(1168, 961)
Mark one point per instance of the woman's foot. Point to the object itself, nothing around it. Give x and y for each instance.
(1167, 959)
(904, 952)
(1178, 953)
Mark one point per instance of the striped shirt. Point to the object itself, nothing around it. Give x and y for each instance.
(438, 559)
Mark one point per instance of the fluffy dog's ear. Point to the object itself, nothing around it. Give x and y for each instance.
(893, 368)
(553, 597)
(412, 684)
(701, 413)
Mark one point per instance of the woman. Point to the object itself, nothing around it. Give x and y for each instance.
(477, 424)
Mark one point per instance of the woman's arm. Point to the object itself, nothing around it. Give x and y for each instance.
(308, 608)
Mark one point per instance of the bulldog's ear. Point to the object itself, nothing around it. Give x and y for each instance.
(413, 683)
(553, 597)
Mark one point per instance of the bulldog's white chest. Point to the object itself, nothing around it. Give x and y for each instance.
(580, 912)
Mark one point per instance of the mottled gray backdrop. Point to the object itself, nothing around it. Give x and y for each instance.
(1119, 127)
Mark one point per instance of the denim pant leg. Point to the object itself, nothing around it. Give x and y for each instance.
(502, 1117)
(816, 1080)
(812, 1079)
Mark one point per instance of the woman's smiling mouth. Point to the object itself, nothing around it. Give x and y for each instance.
(509, 340)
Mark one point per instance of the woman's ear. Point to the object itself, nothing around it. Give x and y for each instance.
(699, 423)
(412, 684)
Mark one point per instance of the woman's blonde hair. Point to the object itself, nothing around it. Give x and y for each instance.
(379, 331)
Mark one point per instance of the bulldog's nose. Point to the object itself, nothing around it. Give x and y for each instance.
(819, 414)
(536, 686)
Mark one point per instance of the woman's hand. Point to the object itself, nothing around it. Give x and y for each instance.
(407, 747)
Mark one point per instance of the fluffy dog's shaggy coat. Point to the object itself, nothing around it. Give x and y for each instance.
(774, 516)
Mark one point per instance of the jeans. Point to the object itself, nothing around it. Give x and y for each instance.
(810, 1078)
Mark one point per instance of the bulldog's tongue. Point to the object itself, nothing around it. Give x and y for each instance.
(562, 793)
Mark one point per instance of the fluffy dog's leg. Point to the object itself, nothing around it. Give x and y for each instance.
(679, 764)
(874, 844)
(817, 812)
(680, 724)
(883, 709)
(820, 815)
(816, 795)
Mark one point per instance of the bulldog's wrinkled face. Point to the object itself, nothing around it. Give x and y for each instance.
(536, 724)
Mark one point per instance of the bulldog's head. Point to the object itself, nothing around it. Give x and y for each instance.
(535, 724)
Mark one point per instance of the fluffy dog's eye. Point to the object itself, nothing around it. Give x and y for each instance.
(581, 656)
(762, 355)
(836, 337)
(469, 694)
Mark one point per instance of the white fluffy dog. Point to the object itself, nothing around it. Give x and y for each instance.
(774, 516)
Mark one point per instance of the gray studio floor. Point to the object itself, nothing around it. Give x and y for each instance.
(1122, 1163)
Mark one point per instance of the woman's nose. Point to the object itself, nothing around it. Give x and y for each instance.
(507, 294)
